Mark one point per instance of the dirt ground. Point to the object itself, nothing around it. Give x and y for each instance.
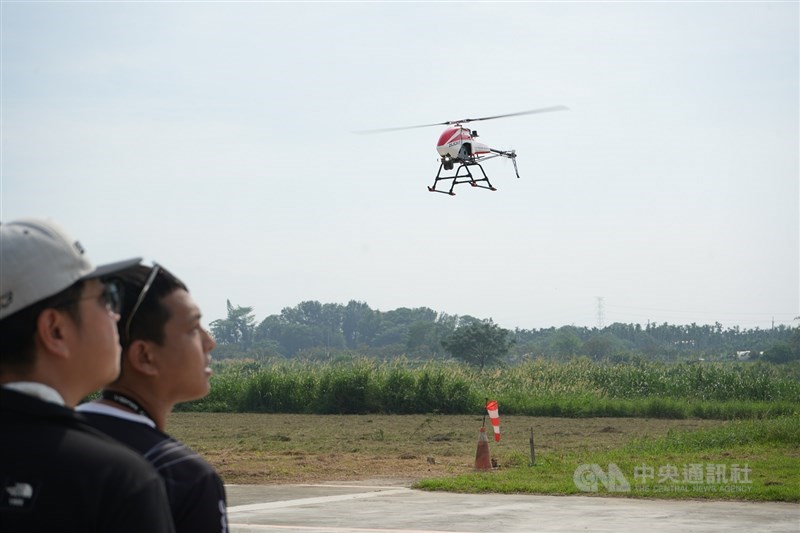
(266, 448)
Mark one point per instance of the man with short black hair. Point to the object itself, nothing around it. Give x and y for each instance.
(59, 343)
(165, 361)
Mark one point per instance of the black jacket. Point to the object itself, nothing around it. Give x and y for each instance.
(60, 474)
(195, 491)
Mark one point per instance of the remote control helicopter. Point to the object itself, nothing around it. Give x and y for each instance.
(459, 149)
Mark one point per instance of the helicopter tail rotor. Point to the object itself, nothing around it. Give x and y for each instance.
(514, 160)
(510, 154)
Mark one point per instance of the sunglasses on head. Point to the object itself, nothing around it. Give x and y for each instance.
(145, 288)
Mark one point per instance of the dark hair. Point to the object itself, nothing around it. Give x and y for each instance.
(17, 331)
(151, 315)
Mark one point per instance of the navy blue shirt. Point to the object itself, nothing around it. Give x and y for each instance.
(194, 489)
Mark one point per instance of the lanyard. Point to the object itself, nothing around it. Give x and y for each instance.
(125, 401)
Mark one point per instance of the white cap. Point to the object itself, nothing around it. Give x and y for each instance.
(39, 259)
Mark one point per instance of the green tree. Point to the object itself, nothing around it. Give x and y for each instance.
(779, 353)
(359, 323)
(602, 346)
(418, 334)
(237, 328)
(785, 352)
(566, 342)
(794, 342)
(425, 336)
(308, 325)
(479, 343)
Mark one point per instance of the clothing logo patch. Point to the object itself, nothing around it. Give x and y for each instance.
(6, 299)
(17, 495)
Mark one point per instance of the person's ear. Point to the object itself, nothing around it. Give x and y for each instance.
(141, 358)
(54, 331)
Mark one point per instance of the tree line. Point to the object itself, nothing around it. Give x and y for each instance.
(313, 330)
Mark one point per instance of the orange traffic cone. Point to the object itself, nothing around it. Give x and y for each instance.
(482, 459)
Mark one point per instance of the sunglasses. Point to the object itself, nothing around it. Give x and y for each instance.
(145, 288)
(111, 297)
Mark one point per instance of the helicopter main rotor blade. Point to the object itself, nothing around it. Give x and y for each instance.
(382, 130)
(529, 112)
(464, 121)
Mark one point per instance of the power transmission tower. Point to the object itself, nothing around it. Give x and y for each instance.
(600, 312)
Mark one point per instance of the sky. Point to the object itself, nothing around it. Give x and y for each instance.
(217, 139)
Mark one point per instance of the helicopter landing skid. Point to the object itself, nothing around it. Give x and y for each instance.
(459, 178)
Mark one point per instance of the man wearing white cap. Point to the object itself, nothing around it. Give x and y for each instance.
(59, 343)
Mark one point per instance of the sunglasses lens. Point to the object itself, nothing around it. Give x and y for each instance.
(111, 297)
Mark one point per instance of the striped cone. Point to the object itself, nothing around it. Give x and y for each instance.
(494, 416)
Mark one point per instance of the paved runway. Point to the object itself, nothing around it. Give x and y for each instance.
(392, 508)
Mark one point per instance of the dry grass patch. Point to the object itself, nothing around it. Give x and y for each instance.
(280, 448)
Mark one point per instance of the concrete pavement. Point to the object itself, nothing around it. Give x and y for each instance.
(389, 507)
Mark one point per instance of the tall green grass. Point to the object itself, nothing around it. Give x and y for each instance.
(540, 388)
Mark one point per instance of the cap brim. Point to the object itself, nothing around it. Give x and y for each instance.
(113, 268)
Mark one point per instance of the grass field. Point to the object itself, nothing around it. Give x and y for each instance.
(284, 448)
(755, 460)
(437, 452)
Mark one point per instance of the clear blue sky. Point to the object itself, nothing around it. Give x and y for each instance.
(216, 139)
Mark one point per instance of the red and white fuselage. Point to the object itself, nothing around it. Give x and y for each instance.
(452, 142)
